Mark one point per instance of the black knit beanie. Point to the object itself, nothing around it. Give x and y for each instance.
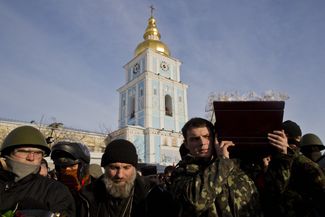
(291, 128)
(120, 150)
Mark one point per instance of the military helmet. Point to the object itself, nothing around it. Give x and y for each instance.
(68, 153)
(309, 140)
(65, 153)
(24, 136)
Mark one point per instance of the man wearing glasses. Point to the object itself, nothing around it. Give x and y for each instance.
(21, 186)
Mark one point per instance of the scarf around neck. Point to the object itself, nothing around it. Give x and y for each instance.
(21, 170)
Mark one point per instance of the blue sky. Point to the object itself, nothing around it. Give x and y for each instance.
(63, 60)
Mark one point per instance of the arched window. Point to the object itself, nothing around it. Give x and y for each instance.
(168, 105)
(132, 107)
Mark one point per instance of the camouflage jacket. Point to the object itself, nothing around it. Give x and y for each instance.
(294, 186)
(218, 188)
(321, 162)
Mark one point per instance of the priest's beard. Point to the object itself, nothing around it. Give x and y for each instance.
(117, 189)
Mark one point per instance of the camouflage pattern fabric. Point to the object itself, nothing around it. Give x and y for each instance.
(321, 162)
(218, 188)
(294, 187)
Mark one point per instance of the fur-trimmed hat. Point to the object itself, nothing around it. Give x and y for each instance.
(120, 150)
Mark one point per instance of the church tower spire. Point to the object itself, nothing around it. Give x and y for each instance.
(151, 38)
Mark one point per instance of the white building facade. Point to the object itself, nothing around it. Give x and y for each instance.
(153, 101)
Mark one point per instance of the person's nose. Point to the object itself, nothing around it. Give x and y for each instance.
(30, 156)
(201, 141)
(204, 141)
(119, 174)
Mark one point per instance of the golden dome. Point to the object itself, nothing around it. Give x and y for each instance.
(152, 40)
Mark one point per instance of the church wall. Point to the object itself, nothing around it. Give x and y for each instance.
(157, 148)
(141, 101)
(154, 64)
(169, 155)
(174, 72)
(143, 64)
(94, 141)
(180, 112)
(141, 91)
(122, 110)
(131, 105)
(141, 119)
(155, 104)
(139, 143)
(169, 123)
(147, 147)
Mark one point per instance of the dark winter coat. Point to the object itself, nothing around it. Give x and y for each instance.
(149, 200)
(34, 192)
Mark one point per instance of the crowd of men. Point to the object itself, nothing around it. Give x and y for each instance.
(289, 181)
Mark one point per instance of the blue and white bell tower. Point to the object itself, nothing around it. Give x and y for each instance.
(153, 101)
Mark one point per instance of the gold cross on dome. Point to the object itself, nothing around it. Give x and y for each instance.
(151, 9)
